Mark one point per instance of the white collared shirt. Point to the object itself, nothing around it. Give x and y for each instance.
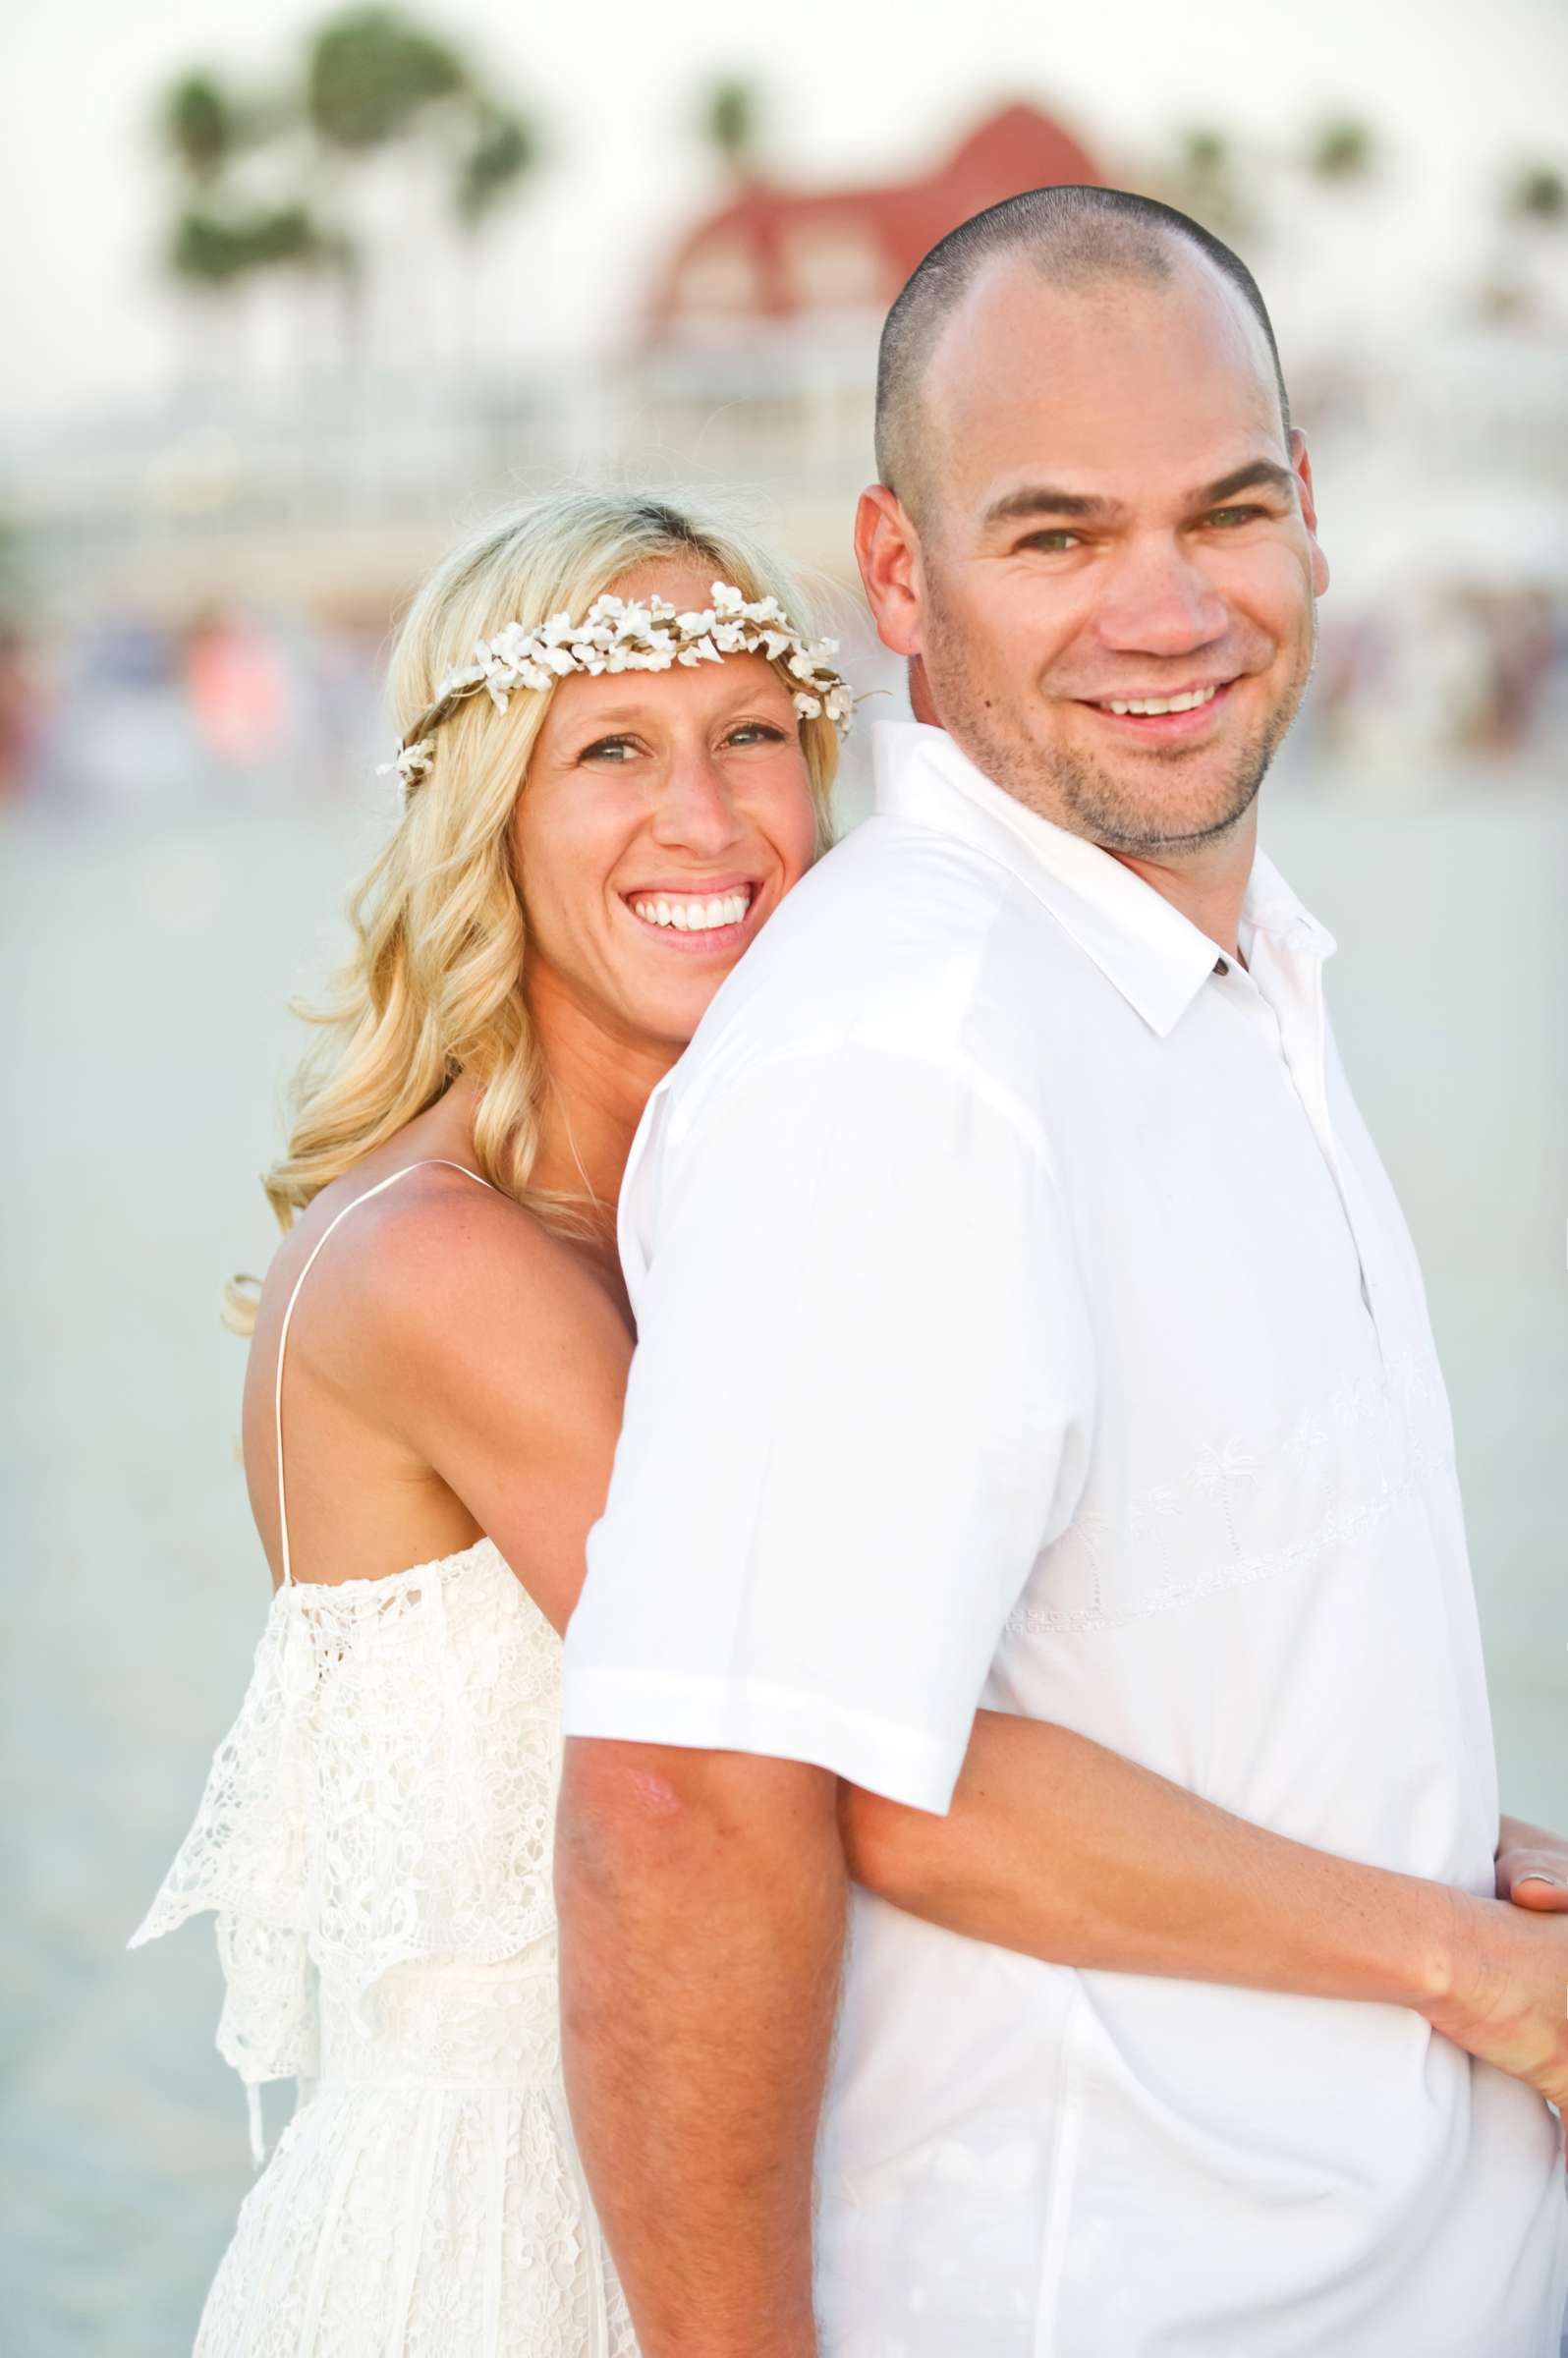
(1024, 1319)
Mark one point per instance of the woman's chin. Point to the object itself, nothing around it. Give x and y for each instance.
(674, 1011)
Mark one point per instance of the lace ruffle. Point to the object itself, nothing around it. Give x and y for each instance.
(387, 1796)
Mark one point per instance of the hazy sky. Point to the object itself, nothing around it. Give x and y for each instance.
(858, 88)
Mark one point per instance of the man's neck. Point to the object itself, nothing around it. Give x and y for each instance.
(1207, 885)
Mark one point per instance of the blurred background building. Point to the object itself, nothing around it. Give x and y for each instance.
(345, 235)
(293, 303)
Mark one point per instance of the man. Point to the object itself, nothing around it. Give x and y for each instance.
(1025, 1319)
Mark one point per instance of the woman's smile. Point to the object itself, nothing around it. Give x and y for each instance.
(703, 918)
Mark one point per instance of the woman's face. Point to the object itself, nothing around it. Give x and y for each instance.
(664, 817)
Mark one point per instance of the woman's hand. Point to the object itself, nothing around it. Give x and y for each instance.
(1502, 1993)
(1532, 1866)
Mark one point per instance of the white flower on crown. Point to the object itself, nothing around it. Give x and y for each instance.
(411, 761)
(636, 635)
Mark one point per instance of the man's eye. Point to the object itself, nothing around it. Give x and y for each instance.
(1230, 517)
(1054, 542)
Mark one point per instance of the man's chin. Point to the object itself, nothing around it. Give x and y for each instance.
(1154, 801)
(1131, 815)
(1170, 799)
(1156, 832)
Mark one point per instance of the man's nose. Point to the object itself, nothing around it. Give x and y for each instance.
(695, 808)
(1158, 602)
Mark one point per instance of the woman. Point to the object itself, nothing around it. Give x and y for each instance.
(429, 1421)
(599, 815)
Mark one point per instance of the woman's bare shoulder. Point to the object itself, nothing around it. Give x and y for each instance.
(443, 1276)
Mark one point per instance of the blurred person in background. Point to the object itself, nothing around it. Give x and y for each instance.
(238, 695)
(21, 709)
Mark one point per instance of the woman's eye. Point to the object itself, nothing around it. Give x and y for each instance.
(755, 732)
(607, 749)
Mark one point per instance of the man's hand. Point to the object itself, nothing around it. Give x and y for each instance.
(1532, 1866)
(1503, 1994)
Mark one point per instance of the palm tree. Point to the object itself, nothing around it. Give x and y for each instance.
(201, 126)
(1537, 193)
(371, 74)
(732, 115)
(504, 147)
(1532, 214)
(502, 150)
(373, 81)
(1206, 181)
(373, 84)
(219, 241)
(210, 249)
(1342, 151)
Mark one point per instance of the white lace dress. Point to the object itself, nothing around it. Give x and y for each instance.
(375, 1840)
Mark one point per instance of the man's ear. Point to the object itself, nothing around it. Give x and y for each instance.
(1302, 467)
(888, 551)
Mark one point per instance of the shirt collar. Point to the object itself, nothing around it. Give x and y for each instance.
(1156, 958)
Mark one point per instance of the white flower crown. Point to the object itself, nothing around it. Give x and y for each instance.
(621, 634)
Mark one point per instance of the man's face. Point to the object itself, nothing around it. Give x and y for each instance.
(1110, 514)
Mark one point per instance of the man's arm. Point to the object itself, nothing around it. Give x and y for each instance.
(858, 1409)
(1061, 1849)
(703, 1908)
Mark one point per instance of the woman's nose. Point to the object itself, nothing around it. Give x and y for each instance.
(1158, 602)
(695, 808)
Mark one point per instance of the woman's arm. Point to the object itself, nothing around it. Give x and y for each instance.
(1062, 1849)
(1066, 1851)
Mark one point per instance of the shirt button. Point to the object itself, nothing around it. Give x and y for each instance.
(1220, 968)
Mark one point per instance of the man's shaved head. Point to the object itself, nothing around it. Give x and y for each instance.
(1095, 536)
(1076, 239)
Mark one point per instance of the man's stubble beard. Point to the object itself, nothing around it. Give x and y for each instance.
(1087, 797)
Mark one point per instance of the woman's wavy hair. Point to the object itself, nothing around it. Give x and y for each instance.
(434, 984)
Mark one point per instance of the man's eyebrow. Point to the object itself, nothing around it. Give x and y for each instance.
(1033, 500)
(1258, 475)
(1043, 500)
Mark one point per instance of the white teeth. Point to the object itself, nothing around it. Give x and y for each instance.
(696, 915)
(1164, 703)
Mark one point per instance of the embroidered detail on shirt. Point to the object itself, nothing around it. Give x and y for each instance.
(1371, 1442)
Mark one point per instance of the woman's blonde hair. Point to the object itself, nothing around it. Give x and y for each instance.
(434, 984)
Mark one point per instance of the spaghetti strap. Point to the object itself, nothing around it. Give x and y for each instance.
(431, 1162)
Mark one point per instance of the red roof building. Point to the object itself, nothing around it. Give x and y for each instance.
(775, 254)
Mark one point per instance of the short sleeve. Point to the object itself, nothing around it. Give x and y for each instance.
(858, 1408)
